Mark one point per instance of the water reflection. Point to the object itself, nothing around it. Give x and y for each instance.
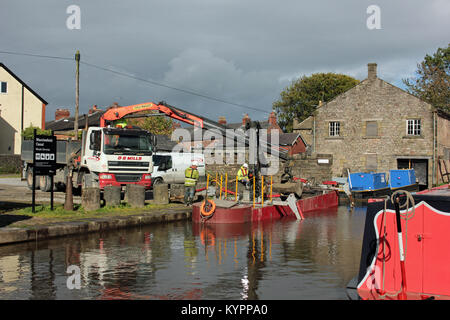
(285, 259)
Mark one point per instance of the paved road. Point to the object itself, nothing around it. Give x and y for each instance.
(13, 190)
(13, 182)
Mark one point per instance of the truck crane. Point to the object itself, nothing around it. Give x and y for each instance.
(119, 155)
(162, 107)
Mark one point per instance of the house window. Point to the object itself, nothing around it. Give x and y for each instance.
(371, 162)
(3, 87)
(371, 129)
(413, 127)
(334, 128)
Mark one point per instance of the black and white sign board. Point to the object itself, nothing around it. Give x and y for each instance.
(44, 163)
(44, 155)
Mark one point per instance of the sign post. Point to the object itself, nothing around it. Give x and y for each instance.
(44, 156)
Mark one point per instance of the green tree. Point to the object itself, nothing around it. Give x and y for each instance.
(300, 99)
(432, 80)
(155, 124)
(27, 133)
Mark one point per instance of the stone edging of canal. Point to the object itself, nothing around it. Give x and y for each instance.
(9, 235)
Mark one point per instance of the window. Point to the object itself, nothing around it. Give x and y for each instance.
(371, 162)
(3, 87)
(334, 128)
(371, 129)
(413, 127)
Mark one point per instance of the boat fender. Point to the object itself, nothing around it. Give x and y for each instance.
(207, 214)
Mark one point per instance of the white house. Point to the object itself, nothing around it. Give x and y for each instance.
(20, 107)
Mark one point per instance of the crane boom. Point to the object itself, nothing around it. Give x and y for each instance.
(117, 113)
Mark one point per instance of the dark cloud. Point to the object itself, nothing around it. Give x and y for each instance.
(240, 51)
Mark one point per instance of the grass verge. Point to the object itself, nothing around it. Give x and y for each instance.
(43, 214)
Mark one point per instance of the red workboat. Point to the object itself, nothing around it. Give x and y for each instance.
(229, 212)
(405, 248)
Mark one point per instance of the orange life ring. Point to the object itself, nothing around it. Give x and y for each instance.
(207, 214)
(209, 236)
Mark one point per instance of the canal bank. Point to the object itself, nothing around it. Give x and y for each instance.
(24, 227)
(282, 259)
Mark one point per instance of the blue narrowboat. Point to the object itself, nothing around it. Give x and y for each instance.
(403, 179)
(368, 184)
(364, 185)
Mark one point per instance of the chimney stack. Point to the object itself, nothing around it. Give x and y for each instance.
(372, 71)
(93, 109)
(245, 119)
(175, 125)
(272, 119)
(222, 120)
(62, 114)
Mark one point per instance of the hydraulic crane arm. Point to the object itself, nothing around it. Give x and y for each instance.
(117, 113)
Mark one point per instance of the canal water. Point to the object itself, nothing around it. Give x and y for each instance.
(284, 259)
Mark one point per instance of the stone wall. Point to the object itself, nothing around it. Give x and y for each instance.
(302, 166)
(10, 163)
(311, 169)
(374, 102)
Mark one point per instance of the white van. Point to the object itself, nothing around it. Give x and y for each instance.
(169, 167)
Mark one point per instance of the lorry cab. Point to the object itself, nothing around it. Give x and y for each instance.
(169, 167)
(118, 156)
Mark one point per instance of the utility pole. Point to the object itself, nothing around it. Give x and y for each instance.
(68, 203)
(77, 94)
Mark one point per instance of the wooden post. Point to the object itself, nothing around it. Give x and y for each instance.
(77, 94)
(68, 203)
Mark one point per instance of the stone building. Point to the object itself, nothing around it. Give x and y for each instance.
(376, 126)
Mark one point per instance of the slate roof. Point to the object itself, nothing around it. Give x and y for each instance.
(68, 123)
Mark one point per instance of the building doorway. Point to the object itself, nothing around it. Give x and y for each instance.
(420, 167)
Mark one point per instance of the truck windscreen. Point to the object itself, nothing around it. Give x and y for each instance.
(127, 144)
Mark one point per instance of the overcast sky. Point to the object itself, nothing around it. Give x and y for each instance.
(241, 51)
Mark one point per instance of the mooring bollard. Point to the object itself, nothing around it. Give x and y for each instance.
(90, 199)
(111, 195)
(161, 193)
(136, 195)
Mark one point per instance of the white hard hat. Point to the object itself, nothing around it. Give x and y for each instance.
(245, 165)
(195, 163)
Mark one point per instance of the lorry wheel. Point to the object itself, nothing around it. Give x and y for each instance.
(30, 179)
(157, 181)
(45, 183)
